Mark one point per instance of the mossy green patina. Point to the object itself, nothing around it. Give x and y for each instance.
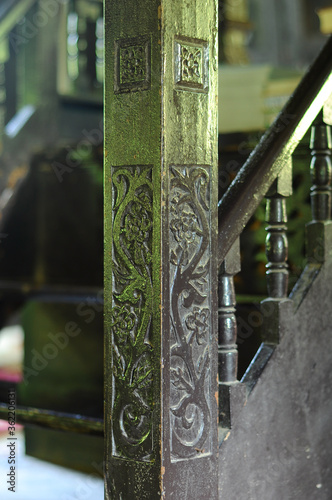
(160, 114)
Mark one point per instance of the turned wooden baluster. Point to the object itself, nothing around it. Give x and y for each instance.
(232, 393)
(227, 349)
(276, 239)
(320, 169)
(277, 306)
(318, 230)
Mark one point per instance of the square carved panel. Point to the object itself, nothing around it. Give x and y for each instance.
(132, 64)
(191, 64)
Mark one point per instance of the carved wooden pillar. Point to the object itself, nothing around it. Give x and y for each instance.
(160, 236)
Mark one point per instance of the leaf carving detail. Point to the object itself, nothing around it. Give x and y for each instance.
(190, 310)
(131, 313)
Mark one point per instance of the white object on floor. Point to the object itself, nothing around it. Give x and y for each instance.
(39, 480)
(11, 346)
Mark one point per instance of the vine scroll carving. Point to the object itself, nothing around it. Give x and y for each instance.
(190, 408)
(132, 347)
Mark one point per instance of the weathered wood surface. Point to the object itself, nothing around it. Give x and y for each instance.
(160, 234)
(280, 445)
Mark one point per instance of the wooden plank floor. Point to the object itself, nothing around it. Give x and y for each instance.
(39, 480)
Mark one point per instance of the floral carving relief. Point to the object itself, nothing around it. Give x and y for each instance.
(131, 314)
(190, 409)
(133, 64)
(132, 69)
(191, 64)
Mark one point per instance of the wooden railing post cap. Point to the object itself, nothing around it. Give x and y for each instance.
(232, 262)
(320, 138)
(283, 184)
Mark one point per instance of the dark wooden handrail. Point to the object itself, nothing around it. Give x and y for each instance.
(274, 149)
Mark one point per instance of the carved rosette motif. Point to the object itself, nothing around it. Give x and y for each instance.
(132, 348)
(132, 64)
(191, 335)
(191, 61)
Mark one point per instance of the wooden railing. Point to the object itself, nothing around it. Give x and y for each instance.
(273, 151)
(268, 173)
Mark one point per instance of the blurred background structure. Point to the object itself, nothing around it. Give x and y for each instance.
(51, 198)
